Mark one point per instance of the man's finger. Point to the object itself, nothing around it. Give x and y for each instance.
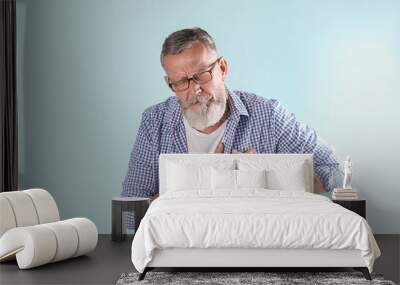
(220, 148)
(252, 151)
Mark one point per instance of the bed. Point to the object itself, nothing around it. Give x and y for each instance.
(244, 211)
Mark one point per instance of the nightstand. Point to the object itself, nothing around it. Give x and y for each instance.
(137, 205)
(357, 206)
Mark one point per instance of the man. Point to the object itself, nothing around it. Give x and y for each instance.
(205, 116)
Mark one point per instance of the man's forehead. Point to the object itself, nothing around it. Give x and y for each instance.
(190, 60)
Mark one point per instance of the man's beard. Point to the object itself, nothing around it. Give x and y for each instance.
(205, 116)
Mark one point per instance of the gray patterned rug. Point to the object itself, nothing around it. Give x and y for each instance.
(269, 278)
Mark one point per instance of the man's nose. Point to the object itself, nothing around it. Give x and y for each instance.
(194, 87)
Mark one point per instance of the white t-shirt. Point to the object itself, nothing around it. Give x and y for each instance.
(203, 143)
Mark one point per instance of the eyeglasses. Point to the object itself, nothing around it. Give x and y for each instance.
(199, 78)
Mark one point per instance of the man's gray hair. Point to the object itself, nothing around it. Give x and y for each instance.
(178, 41)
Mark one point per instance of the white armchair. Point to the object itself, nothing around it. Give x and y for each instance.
(32, 233)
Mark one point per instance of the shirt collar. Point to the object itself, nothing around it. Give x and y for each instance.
(237, 106)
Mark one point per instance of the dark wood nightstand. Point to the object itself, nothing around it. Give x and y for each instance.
(120, 205)
(357, 206)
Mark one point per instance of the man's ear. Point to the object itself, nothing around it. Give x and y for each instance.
(223, 65)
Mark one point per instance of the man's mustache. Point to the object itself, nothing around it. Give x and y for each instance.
(202, 99)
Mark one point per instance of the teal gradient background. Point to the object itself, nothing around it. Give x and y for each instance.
(88, 68)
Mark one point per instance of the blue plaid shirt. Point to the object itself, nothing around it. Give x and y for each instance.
(254, 122)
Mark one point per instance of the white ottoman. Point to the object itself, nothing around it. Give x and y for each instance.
(31, 232)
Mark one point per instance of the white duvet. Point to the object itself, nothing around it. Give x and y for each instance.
(251, 218)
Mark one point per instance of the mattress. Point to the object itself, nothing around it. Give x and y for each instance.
(250, 219)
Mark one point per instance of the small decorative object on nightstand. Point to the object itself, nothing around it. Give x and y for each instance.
(347, 192)
(348, 173)
(357, 206)
(137, 205)
(347, 197)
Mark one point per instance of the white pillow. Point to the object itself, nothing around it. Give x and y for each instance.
(223, 179)
(293, 178)
(281, 175)
(188, 177)
(251, 178)
(229, 179)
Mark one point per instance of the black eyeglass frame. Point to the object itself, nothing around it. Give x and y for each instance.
(193, 77)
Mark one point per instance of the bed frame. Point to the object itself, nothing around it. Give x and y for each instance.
(234, 259)
(250, 259)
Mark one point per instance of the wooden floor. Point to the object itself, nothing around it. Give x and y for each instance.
(110, 260)
(389, 262)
